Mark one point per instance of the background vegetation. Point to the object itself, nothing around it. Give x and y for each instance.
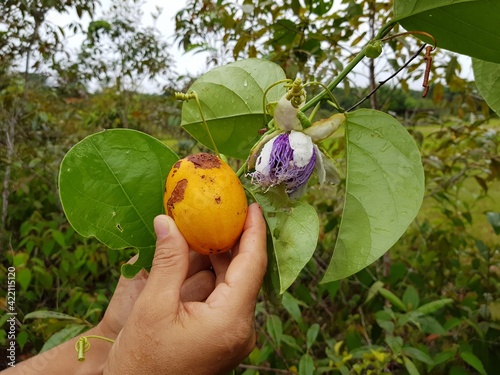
(431, 305)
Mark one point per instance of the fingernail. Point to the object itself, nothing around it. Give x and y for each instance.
(161, 227)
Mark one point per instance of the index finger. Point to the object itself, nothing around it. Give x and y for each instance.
(246, 271)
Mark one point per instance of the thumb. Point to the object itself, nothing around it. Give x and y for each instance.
(171, 260)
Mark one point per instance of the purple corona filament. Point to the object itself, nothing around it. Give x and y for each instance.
(282, 161)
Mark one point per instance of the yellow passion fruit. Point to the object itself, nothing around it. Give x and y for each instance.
(206, 200)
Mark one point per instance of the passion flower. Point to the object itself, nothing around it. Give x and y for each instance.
(289, 159)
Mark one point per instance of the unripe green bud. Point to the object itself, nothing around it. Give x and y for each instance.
(374, 49)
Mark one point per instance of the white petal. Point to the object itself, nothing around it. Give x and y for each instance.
(285, 115)
(262, 164)
(302, 147)
(320, 167)
(298, 193)
(332, 174)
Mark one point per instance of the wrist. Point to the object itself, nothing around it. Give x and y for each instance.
(103, 329)
(92, 350)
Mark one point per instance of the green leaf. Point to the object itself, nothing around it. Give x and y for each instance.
(384, 191)
(331, 288)
(306, 365)
(483, 250)
(274, 328)
(395, 343)
(474, 361)
(144, 260)
(410, 366)
(58, 237)
(386, 326)
(411, 298)
(231, 101)
(291, 342)
(320, 7)
(487, 78)
(418, 355)
(23, 277)
(20, 259)
(111, 187)
(373, 291)
(494, 220)
(271, 285)
(291, 304)
(294, 227)
(469, 27)
(434, 306)
(311, 335)
(46, 314)
(445, 356)
(65, 334)
(285, 32)
(22, 338)
(393, 299)
(430, 325)
(451, 323)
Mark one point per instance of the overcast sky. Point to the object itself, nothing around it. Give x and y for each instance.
(185, 63)
(195, 64)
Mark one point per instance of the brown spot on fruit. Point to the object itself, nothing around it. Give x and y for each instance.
(204, 160)
(175, 167)
(176, 196)
(218, 200)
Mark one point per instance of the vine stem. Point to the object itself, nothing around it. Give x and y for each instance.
(381, 83)
(336, 81)
(241, 170)
(382, 33)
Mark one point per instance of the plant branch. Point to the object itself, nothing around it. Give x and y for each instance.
(382, 33)
(381, 83)
(335, 82)
(363, 324)
(9, 137)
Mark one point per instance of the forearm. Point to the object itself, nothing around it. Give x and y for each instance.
(63, 359)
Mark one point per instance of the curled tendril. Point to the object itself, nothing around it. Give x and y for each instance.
(83, 345)
(185, 97)
(296, 93)
(193, 95)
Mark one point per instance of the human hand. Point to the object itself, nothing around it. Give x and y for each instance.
(62, 360)
(200, 282)
(166, 335)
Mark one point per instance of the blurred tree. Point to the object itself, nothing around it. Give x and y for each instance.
(120, 52)
(27, 41)
(313, 38)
